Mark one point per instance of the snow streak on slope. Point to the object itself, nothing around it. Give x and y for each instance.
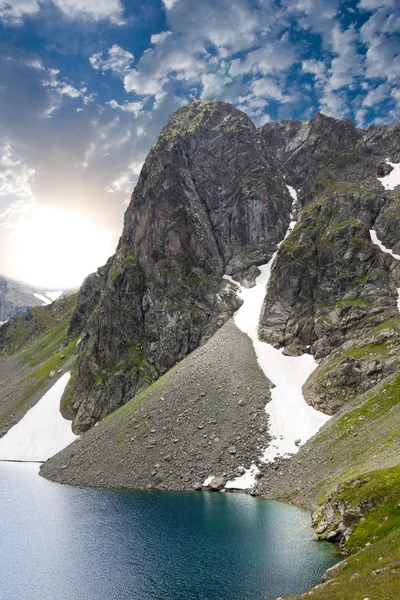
(48, 297)
(291, 420)
(42, 432)
(393, 179)
(378, 243)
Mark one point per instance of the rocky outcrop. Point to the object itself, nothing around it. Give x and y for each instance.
(209, 201)
(335, 519)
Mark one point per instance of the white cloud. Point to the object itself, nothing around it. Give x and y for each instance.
(268, 88)
(131, 107)
(118, 60)
(126, 181)
(168, 4)
(374, 4)
(158, 38)
(92, 9)
(15, 185)
(213, 85)
(13, 11)
(142, 84)
(383, 59)
(376, 95)
(347, 65)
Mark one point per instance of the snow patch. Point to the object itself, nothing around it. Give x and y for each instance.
(208, 481)
(291, 420)
(53, 295)
(42, 298)
(393, 179)
(377, 242)
(42, 432)
(48, 297)
(245, 481)
(292, 192)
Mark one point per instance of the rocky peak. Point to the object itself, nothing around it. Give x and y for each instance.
(209, 200)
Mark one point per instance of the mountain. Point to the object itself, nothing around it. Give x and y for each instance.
(209, 201)
(17, 298)
(292, 230)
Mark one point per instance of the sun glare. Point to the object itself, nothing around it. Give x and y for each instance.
(58, 249)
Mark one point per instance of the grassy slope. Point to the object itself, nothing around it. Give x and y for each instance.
(372, 570)
(361, 442)
(31, 347)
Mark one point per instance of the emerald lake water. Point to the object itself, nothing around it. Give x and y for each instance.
(65, 543)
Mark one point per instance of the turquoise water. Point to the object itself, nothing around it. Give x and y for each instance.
(65, 543)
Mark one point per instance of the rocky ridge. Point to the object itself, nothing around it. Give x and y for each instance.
(332, 290)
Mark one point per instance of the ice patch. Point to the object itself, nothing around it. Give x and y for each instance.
(377, 242)
(393, 179)
(42, 432)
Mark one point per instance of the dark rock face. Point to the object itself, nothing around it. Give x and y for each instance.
(15, 299)
(331, 287)
(209, 201)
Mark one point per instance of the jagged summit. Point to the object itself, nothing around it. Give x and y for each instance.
(209, 200)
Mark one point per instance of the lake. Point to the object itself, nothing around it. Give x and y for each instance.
(66, 543)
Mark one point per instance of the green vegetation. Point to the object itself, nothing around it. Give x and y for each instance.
(369, 351)
(383, 489)
(373, 568)
(45, 326)
(123, 264)
(186, 122)
(35, 342)
(356, 302)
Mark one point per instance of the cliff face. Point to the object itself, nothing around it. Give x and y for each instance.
(332, 289)
(210, 200)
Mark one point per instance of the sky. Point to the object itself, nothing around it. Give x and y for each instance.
(87, 85)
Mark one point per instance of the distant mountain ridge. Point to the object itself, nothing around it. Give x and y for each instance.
(17, 298)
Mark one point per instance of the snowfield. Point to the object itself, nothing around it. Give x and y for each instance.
(291, 420)
(393, 179)
(42, 432)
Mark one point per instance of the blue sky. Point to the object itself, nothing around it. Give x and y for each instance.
(86, 85)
